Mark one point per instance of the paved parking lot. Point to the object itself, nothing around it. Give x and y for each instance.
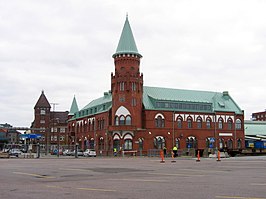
(133, 178)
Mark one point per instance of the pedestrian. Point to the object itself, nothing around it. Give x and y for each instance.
(115, 152)
(175, 151)
(164, 151)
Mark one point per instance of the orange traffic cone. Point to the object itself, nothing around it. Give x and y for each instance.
(218, 156)
(162, 156)
(173, 158)
(198, 157)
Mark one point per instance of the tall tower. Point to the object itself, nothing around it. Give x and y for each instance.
(42, 115)
(127, 82)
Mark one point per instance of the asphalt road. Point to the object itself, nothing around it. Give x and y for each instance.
(133, 178)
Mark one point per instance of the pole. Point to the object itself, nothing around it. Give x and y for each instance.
(58, 133)
(173, 129)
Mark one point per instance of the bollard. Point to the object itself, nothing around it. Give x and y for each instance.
(162, 157)
(173, 158)
(218, 156)
(76, 150)
(198, 157)
(38, 150)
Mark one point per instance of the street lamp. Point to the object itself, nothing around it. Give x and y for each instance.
(58, 133)
(173, 129)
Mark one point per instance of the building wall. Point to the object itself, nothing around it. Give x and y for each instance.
(259, 116)
(108, 133)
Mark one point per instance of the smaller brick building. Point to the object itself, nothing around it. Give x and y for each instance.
(259, 116)
(52, 125)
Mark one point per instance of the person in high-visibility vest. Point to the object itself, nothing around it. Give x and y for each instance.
(115, 151)
(164, 151)
(175, 151)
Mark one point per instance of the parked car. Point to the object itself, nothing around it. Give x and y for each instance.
(15, 152)
(67, 152)
(55, 151)
(89, 153)
(5, 150)
(80, 152)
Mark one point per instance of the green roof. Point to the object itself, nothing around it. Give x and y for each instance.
(168, 99)
(126, 43)
(253, 128)
(96, 106)
(155, 98)
(74, 107)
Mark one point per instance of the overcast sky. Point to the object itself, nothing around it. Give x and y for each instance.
(65, 48)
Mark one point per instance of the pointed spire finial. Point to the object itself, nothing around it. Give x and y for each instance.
(126, 43)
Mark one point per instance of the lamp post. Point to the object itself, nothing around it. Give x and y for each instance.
(53, 124)
(173, 129)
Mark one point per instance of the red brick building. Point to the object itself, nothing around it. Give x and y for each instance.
(52, 124)
(259, 116)
(134, 117)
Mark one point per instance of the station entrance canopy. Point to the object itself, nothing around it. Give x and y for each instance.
(31, 136)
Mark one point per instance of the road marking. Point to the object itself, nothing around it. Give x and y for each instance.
(74, 169)
(176, 174)
(92, 189)
(139, 180)
(207, 171)
(237, 197)
(258, 184)
(82, 188)
(33, 174)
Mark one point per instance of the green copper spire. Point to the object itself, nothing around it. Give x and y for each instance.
(74, 107)
(127, 43)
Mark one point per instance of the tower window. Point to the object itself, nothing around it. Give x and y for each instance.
(133, 86)
(42, 111)
(134, 102)
(122, 86)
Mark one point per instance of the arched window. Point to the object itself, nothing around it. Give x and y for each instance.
(101, 143)
(199, 123)
(159, 142)
(159, 121)
(141, 140)
(128, 144)
(210, 142)
(89, 125)
(189, 122)
(208, 123)
(116, 121)
(93, 125)
(230, 144)
(239, 143)
(221, 143)
(116, 142)
(220, 123)
(230, 123)
(128, 120)
(179, 122)
(177, 143)
(122, 120)
(191, 142)
(91, 143)
(238, 124)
